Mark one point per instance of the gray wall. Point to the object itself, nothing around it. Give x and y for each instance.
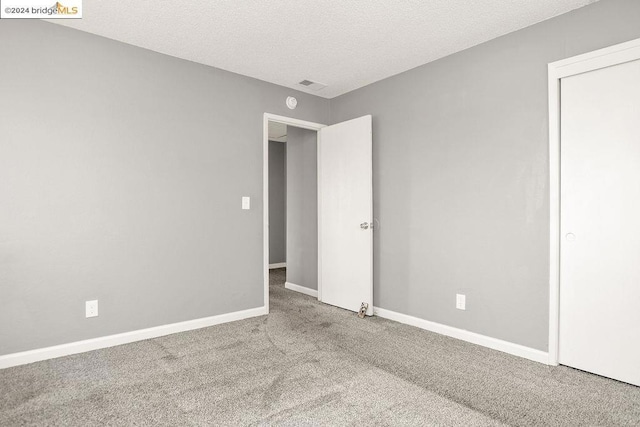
(121, 177)
(277, 202)
(302, 207)
(461, 175)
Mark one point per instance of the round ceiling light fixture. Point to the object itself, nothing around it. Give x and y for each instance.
(292, 103)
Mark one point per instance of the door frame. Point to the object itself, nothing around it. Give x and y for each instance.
(602, 58)
(289, 121)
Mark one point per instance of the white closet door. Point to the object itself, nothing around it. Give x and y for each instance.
(600, 222)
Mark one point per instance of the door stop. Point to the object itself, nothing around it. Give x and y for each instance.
(363, 310)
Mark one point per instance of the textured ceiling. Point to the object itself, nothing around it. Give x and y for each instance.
(345, 44)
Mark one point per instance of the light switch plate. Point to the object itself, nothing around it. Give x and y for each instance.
(461, 302)
(246, 202)
(91, 308)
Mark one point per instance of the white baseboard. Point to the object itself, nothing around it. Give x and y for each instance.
(461, 334)
(31, 356)
(301, 289)
(278, 265)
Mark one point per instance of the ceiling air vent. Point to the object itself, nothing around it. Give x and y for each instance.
(315, 86)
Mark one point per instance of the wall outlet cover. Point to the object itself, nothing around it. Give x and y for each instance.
(91, 308)
(461, 302)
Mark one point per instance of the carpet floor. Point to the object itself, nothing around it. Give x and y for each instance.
(307, 363)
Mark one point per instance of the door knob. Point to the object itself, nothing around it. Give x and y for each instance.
(570, 237)
(364, 225)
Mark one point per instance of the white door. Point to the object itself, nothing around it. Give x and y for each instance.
(345, 214)
(600, 222)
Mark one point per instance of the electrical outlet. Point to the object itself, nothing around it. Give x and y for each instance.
(246, 203)
(461, 302)
(91, 308)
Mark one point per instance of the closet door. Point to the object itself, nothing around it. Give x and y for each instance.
(600, 222)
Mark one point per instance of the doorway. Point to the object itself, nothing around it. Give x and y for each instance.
(293, 207)
(290, 203)
(328, 210)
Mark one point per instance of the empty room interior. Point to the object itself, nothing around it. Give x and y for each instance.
(419, 213)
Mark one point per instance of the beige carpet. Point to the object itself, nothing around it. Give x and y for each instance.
(308, 364)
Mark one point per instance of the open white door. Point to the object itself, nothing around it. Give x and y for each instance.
(345, 215)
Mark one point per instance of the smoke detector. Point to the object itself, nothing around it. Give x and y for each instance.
(315, 86)
(291, 102)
